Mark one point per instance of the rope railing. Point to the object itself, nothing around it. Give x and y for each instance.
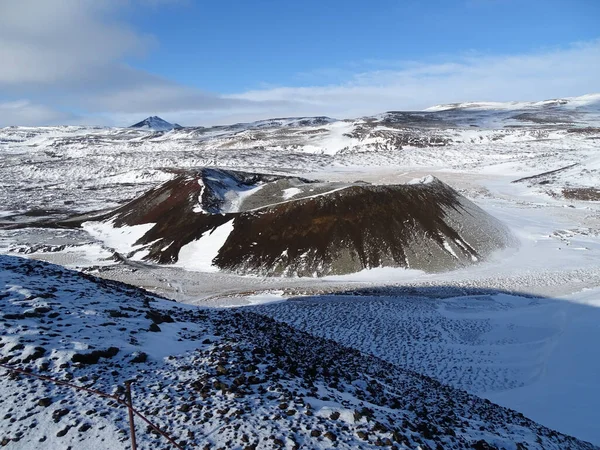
(127, 402)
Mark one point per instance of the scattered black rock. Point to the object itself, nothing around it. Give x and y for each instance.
(94, 356)
(140, 357)
(46, 401)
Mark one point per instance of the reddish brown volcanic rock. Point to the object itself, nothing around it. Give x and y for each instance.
(322, 229)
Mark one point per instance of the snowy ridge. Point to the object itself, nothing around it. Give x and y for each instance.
(567, 102)
(288, 122)
(260, 383)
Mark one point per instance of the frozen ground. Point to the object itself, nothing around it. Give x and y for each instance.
(531, 354)
(520, 328)
(214, 378)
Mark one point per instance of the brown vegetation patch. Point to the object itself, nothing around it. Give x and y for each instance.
(588, 194)
(584, 130)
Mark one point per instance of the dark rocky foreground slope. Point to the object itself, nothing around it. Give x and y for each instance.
(291, 226)
(222, 379)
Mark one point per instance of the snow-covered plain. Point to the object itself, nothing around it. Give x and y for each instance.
(532, 354)
(520, 328)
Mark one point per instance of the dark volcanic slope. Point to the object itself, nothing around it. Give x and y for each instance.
(215, 379)
(297, 227)
(362, 227)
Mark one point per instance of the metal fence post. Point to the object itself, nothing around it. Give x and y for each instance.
(130, 409)
(119, 400)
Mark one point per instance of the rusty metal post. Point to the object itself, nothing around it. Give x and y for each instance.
(125, 402)
(130, 409)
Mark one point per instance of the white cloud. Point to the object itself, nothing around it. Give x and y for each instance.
(560, 72)
(72, 52)
(48, 42)
(70, 55)
(136, 92)
(23, 112)
(544, 74)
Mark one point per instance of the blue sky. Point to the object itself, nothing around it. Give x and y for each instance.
(198, 62)
(231, 46)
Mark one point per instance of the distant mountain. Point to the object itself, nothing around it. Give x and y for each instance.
(157, 124)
